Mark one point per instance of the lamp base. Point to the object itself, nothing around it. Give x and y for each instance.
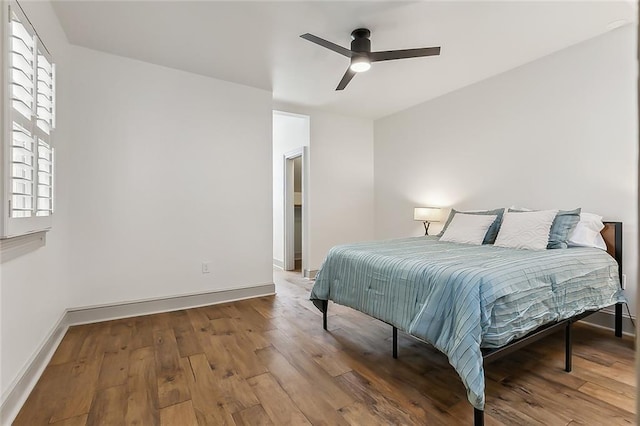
(426, 227)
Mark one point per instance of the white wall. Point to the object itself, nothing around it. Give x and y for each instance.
(560, 132)
(341, 183)
(170, 169)
(34, 287)
(157, 170)
(290, 131)
(340, 199)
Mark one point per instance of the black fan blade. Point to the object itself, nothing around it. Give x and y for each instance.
(346, 78)
(403, 54)
(324, 43)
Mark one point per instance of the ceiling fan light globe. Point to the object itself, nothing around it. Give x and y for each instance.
(360, 65)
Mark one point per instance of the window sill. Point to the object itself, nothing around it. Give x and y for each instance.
(11, 248)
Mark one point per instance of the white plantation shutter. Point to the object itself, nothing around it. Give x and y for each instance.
(22, 171)
(45, 78)
(44, 196)
(31, 120)
(44, 92)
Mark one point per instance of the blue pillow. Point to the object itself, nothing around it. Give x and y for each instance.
(492, 232)
(563, 224)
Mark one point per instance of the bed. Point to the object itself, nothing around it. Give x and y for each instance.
(473, 303)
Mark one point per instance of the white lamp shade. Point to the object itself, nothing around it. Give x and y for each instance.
(427, 214)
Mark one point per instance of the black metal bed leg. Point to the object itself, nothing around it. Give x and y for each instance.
(478, 417)
(395, 343)
(568, 350)
(325, 308)
(618, 324)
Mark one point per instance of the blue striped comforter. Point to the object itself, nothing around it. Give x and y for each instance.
(462, 297)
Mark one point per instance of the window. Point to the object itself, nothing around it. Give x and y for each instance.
(29, 115)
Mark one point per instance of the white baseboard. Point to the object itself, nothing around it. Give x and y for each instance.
(136, 308)
(311, 274)
(604, 319)
(19, 390)
(16, 394)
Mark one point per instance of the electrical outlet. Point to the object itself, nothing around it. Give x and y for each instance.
(206, 267)
(624, 281)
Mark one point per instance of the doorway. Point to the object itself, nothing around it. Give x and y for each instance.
(294, 210)
(291, 194)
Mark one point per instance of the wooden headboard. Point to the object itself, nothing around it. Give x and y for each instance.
(612, 234)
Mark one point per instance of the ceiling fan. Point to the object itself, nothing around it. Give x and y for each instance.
(362, 56)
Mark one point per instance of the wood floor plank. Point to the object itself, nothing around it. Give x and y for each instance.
(208, 402)
(249, 331)
(109, 406)
(378, 404)
(235, 342)
(201, 323)
(244, 312)
(225, 310)
(288, 334)
(360, 413)
(618, 399)
(517, 405)
(235, 391)
(186, 339)
(551, 369)
(115, 365)
(611, 380)
(73, 421)
(276, 402)
(439, 387)
(265, 306)
(319, 410)
(579, 406)
(179, 414)
(211, 312)
(616, 371)
(95, 342)
(142, 332)
(79, 389)
(331, 363)
(70, 345)
(257, 338)
(443, 389)
(325, 385)
(142, 387)
(252, 416)
(172, 383)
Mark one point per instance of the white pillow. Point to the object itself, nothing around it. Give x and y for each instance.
(468, 228)
(520, 209)
(526, 230)
(587, 232)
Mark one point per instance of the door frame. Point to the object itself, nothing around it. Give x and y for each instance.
(289, 211)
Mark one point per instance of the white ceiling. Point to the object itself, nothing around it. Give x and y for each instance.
(258, 43)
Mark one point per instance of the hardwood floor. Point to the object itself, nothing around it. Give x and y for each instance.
(267, 361)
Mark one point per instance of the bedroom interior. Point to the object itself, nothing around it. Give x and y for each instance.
(168, 159)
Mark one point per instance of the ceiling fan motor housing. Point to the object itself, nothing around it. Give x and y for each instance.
(361, 42)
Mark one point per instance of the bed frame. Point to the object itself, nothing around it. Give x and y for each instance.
(612, 234)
